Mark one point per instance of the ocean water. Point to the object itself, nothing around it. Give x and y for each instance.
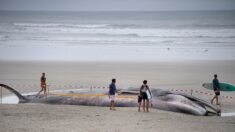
(117, 36)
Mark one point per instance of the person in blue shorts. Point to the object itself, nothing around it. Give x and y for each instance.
(112, 91)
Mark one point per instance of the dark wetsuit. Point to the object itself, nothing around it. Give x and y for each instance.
(216, 86)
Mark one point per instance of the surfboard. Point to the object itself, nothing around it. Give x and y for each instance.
(148, 94)
(223, 86)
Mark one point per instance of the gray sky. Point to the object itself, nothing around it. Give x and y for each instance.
(114, 5)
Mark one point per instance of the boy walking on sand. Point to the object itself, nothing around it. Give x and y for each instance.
(112, 91)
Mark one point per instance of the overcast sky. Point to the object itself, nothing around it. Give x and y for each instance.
(114, 5)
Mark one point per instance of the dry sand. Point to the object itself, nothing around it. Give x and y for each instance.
(24, 76)
(60, 118)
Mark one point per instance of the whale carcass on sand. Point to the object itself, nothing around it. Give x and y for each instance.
(164, 100)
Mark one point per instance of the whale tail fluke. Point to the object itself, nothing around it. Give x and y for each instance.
(21, 97)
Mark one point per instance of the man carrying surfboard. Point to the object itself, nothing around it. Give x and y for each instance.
(145, 94)
(216, 88)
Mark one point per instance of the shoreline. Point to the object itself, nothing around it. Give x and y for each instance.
(186, 61)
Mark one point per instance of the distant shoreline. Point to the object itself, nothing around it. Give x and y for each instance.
(119, 61)
(96, 11)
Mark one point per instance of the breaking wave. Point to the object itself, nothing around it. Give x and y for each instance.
(61, 25)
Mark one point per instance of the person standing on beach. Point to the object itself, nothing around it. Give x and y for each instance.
(144, 91)
(140, 98)
(216, 89)
(43, 84)
(112, 91)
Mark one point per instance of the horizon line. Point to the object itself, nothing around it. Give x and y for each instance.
(118, 10)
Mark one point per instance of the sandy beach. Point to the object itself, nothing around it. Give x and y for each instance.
(60, 118)
(164, 75)
(81, 45)
(24, 76)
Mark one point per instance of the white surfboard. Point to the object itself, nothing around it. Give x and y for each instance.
(148, 94)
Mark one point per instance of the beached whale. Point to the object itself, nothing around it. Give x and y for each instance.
(164, 100)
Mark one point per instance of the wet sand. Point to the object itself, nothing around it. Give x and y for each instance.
(164, 75)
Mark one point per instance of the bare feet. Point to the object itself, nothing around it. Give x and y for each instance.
(112, 109)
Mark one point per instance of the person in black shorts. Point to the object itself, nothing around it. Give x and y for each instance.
(216, 89)
(143, 96)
